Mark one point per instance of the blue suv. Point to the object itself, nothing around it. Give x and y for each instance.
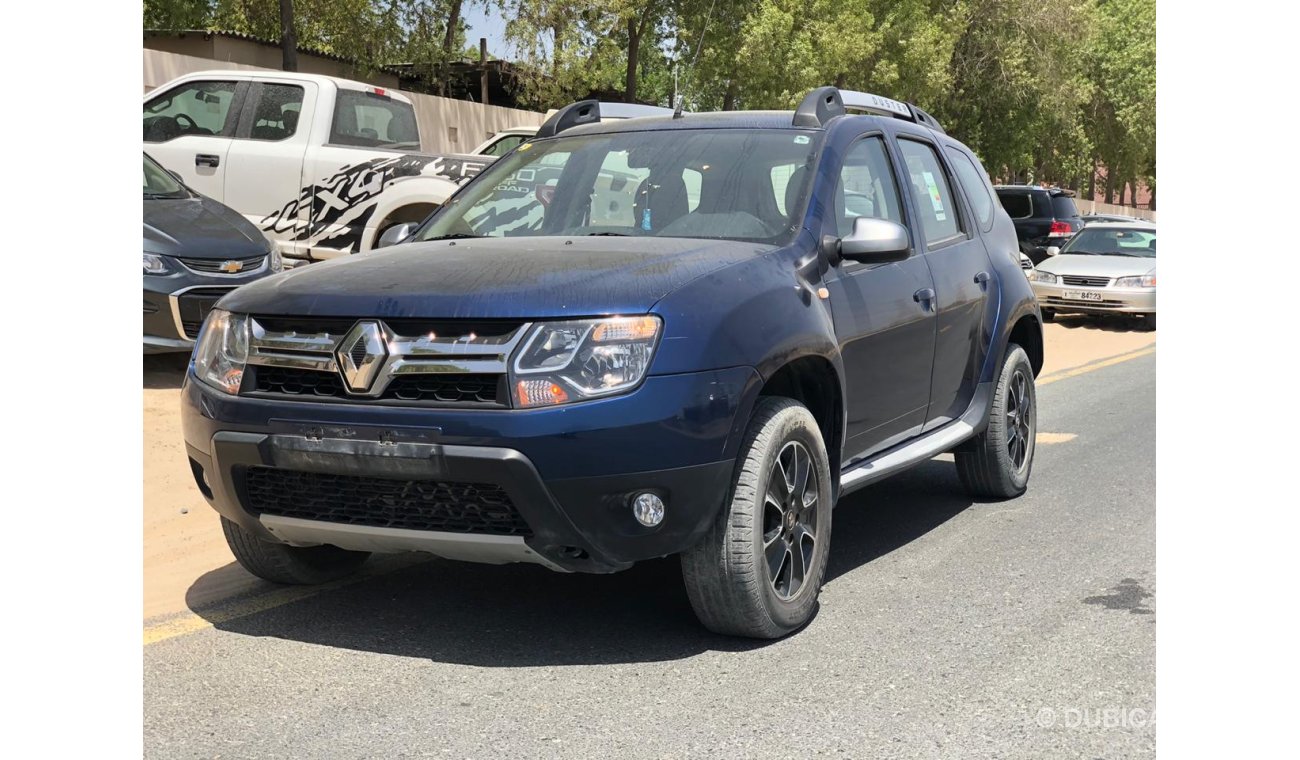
(628, 339)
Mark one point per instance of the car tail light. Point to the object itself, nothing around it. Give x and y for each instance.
(1060, 229)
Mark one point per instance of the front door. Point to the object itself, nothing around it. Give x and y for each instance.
(884, 318)
(962, 280)
(188, 129)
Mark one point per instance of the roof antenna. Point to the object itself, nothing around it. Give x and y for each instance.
(681, 98)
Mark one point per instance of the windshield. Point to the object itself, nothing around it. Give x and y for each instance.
(159, 184)
(736, 184)
(1112, 241)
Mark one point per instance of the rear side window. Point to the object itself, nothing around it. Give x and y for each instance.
(972, 181)
(372, 121)
(194, 108)
(275, 115)
(1063, 206)
(934, 199)
(1017, 205)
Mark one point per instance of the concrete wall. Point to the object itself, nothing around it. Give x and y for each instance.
(446, 125)
(1096, 207)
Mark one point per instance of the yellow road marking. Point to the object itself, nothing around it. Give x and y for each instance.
(1090, 367)
(188, 622)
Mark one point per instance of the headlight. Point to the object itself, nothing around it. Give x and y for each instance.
(222, 350)
(1039, 275)
(563, 362)
(155, 264)
(276, 261)
(1141, 281)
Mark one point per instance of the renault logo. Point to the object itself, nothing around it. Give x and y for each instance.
(361, 355)
(230, 267)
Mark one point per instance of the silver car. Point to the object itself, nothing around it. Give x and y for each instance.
(1106, 268)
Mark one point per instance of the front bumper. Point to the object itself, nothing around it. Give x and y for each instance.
(1113, 300)
(569, 472)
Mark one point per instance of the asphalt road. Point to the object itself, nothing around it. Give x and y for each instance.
(947, 628)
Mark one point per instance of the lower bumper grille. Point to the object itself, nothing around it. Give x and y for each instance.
(409, 504)
(193, 305)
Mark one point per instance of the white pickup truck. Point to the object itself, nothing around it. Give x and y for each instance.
(322, 165)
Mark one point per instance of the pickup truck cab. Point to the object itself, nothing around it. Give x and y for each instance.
(321, 165)
(632, 339)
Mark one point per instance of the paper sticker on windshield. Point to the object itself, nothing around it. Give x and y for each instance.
(935, 200)
(801, 140)
(524, 147)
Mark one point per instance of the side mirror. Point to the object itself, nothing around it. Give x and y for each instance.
(1053, 250)
(396, 234)
(876, 241)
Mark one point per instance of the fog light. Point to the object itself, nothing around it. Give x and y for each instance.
(648, 509)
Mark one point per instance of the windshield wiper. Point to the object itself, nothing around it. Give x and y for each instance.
(450, 236)
(608, 234)
(157, 196)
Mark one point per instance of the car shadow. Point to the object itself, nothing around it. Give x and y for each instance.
(525, 616)
(165, 370)
(1107, 323)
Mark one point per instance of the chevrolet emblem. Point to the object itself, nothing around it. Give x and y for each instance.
(230, 267)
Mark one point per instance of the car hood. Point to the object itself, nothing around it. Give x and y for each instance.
(1101, 266)
(523, 277)
(199, 228)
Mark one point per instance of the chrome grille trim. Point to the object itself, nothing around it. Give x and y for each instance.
(407, 354)
(1084, 281)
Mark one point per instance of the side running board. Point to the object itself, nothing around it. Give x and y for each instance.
(931, 444)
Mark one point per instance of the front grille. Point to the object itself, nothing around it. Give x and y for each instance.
(193, 306)
(378, 502)
(440, 388)
(1087, 282)
(214, 266)
(1026, 264)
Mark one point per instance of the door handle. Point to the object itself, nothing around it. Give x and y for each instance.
(207, 159)
(925, 297)
(982, 279)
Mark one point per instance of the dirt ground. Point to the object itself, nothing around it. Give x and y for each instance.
(182, 535)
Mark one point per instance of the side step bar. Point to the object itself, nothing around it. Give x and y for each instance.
(930, 445)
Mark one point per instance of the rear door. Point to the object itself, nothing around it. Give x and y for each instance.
(188, 129)
(884, 322)
(264, 174)
(962, 275)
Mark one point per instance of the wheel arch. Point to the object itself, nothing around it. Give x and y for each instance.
(814, 381)
(1027, 332)
(407, 196)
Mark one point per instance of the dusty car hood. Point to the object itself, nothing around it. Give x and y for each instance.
(495, 277)
(199, 228)
(1097, 266)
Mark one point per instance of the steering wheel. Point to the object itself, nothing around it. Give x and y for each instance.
(193, 126)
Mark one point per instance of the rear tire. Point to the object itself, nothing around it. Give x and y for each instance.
(996, 463)
(759, 569)
(296, 565)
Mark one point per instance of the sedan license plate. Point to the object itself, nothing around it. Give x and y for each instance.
(1081, 295)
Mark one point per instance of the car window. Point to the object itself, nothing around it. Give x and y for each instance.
(1113, 241)
(504, 145)
(276, 112)
(1063, 207)
(194, 108)
(701, 183)
(972, 180)
(867, 186)
(1017, 205)
(936, 206)
(371, 120)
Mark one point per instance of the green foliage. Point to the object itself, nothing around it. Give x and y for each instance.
(1042, 90)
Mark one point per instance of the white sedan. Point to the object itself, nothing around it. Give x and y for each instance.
(1106, 268)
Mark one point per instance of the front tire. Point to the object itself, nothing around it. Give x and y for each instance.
(759, 569)
(295, 565)
(996, 463)
(1048, 315)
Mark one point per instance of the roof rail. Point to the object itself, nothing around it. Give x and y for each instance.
(825, 103)
(593, 111)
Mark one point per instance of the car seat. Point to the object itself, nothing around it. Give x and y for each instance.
(659, 201)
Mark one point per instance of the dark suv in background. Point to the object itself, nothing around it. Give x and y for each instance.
(1043, 217)
(708, 330)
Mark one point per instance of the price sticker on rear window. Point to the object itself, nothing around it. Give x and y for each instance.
(936, 201)
(802, 140)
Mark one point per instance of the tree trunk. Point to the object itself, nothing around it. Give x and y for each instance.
(453, 23)
(1092, 180)
(1153, 197)
(1110, 185)
(1133, 191)
(288, 37)
(633, 53)
(729, 99)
